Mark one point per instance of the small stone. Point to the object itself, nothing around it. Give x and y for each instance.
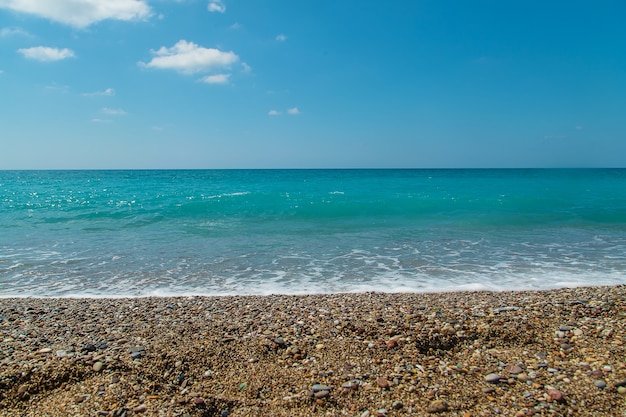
(621, 390)
(319, 391)
(523, 377)
(382, 382)
(493, 378)
(224, 413)
(44, 350)
(321, 394)
(98, 366)
(514, 369)
(397, 405)
(319, 346)
(198, 401)
(135, 355)
(365, 413)
(621, 383)
(350, 385)
(437, 406)
(81, 398)
(140, 408)
(320, 387)
(564, 328)
(22, 389)
(599, 383)
(89, 347)
(555, 395)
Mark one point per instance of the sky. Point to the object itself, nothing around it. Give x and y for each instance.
(160, 84)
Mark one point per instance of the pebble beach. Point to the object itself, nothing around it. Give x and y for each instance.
(556, 352)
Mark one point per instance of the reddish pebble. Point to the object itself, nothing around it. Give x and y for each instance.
(140, 408)
(392, 343)
(555, 395)
(382, 382)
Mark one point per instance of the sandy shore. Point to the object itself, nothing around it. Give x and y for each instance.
(560, 352)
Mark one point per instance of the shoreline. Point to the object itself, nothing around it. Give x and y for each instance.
(477, 353)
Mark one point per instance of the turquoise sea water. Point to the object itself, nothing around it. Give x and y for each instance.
(213, 232)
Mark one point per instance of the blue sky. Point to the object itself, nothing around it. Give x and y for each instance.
(311, 84)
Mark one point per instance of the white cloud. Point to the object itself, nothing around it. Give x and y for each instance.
(13, 31)
(235, 26)
(107, 92)
(44, 53)
(293, 111)
(96, 120)
(245, 68)
(216, 79)
(281, 38)
(1, 72)
(580, 127)
(113, 112)
(81, 13)
(189, 58)
(57, 88)
(274, 113)
(217, 6)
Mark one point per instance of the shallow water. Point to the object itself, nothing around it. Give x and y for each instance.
(213, 232)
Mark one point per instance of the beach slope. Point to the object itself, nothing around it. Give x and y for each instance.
(557, 352)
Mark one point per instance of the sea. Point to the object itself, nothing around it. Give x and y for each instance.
(138, 233)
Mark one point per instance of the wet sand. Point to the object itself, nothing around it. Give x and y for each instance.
(558, 353)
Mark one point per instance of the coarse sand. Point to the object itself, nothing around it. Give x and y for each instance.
(547, 353)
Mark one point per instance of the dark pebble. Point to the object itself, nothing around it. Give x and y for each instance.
(89, 347)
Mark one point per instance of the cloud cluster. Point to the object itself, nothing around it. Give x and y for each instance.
(107, 92)
(217, 6)
(13, 31)
(216, 79)
(46, 54)
(81, 13)
(292, 111)
(189, 58)
(113, 112)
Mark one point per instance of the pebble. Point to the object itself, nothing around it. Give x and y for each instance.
(514, 369)
(599, 383)
(89, 347)
(350, 385)
(44, 350)
(621, 390)
(493, 378)
(98, 366)
(437, 406)
(555, 395)
(382, 382)
(319, 391)
(140, 408)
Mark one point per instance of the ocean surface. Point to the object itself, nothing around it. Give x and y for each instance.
(225, 232)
